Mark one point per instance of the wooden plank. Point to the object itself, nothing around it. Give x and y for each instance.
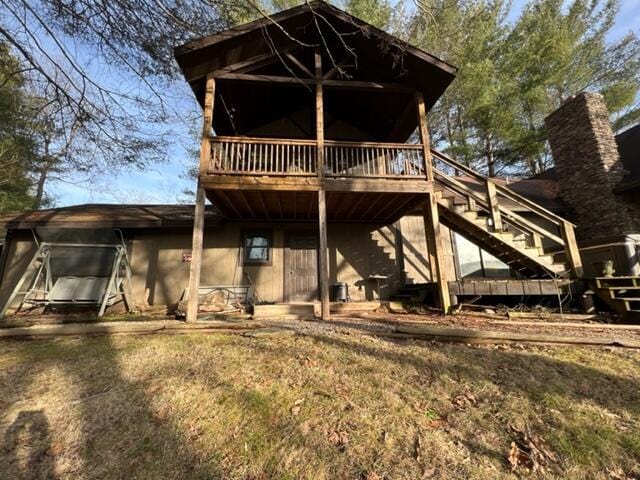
(485, 336)
(376, 185)
(226, 182)
(571, 249)
(424, 136)
(435, 247)
(323, 257)
(494, 207)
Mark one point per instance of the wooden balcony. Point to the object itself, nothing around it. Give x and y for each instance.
(285, 164)
(280, 179)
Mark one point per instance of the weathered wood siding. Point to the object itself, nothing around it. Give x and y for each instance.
(355, 253)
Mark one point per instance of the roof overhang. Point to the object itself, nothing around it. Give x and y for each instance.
(378, 56)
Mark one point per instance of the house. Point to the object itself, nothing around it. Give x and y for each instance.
(315, 179)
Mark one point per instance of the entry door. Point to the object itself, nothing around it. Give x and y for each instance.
(301, 268)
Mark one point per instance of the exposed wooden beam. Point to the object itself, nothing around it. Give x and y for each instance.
(342, 84)
(264, 205)
(277, 195)
(223, 196)
(371, 206)
(247, 65)
(246, 182)
(334, 71)
(246, 203)
(295, 204)
(299, 64)
(408, 112)
(311, 202)
(246, 77)
(362, 85)
(397, 209)
(355, 206)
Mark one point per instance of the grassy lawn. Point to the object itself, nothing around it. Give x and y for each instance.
(320, 406)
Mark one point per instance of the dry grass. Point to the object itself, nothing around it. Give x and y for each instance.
(322, 406)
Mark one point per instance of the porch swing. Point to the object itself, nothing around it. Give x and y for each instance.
(85, 268)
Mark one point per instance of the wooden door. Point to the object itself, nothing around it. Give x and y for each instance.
(301, 268)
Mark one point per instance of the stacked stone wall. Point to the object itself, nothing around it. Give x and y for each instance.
(588, 167)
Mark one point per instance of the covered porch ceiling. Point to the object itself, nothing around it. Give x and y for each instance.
(302, 206)
(369, 77)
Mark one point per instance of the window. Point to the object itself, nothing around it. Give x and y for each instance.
(257, 248)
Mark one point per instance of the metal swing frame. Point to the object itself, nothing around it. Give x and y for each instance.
(39, 293)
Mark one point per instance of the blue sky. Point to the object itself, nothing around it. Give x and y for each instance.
(163, 182)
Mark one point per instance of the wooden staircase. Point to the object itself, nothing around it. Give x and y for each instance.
(530, 239)
(621, 294)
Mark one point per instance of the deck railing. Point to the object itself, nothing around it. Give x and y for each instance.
(383, 160)
(273, 157)
(262, 156)
(535, 221)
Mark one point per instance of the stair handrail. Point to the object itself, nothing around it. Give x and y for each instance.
(552, 217)
(520, 221)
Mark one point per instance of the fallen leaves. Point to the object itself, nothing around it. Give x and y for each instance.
(463, 401)
(530, 453)
(339, 438)
(295, 409)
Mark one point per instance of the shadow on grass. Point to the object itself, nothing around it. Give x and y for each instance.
(111, 403)
(27, 445)
(107, 446)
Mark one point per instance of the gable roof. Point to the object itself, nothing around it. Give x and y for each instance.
(380, 56)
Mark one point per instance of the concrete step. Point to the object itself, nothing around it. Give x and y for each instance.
(286, 310)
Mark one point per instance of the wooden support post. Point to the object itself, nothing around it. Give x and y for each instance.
(323, 257)
(571, 249)
(424, 136)
(205, 144)
(323, 253)
(319, 117)
(198, 219)
(435, 246)
(196, 256)
(494, 208)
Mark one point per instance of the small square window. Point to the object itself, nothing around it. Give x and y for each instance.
(257, 248)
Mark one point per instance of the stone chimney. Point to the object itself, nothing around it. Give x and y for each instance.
(588, 167)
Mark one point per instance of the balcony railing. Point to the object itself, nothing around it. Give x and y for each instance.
(259, 156)
(383, 160)
(274, 157)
